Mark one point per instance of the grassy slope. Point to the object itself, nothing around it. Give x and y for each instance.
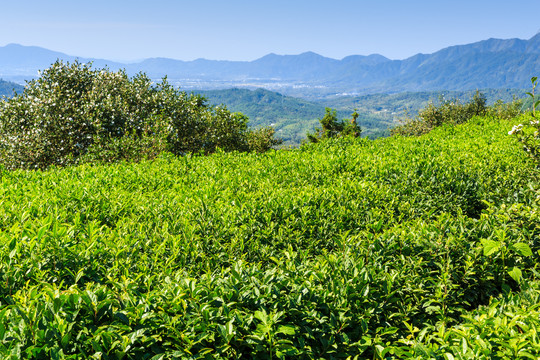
(345, 248)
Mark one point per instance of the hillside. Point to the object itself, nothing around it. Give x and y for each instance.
(392, 107)
(406, 248)
(7, 88)
(294, 117)
(291, 117)
(492, 63)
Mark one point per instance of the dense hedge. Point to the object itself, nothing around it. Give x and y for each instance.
(395, 248)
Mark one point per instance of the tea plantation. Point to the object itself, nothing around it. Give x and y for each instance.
(400, 248)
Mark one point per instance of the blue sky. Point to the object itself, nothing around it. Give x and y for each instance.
(249, 29)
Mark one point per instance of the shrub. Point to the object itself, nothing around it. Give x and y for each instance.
(225, 130)
(506, 111)
(262, 139)
(74, 113)
(130, 147)
(448, 112)
(528, 131)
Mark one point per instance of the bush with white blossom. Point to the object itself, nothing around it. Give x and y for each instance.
(73, 113)
(528, 131)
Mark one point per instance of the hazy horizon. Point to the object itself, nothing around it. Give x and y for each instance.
(244, 30)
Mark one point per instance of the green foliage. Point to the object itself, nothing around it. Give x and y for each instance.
(528, 131)
(454, 112)
(405, 247)
(506, 328)
(74, 113)
(262, 139)
(448, 112)
(331, 127)
(506, 110)
(293, 118)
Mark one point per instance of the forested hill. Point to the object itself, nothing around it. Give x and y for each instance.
(294, 117)
(291, 117)
(7, 88)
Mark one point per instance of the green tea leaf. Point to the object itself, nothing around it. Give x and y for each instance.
(490, 246)
(286, 329)
(515, 273)
(448, 356)
(464, 346)
(522, 249)
(262, 316)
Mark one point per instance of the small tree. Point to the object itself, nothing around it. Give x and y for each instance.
(262, 139)
(331, 127)
(352, 128)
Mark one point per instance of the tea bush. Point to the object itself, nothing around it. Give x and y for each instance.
(74, 113)
(394, 248)
(506, 328)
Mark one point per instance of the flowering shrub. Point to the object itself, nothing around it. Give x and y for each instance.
(528, 132)
(74, 114)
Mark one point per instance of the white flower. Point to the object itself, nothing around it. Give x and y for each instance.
(516, 129)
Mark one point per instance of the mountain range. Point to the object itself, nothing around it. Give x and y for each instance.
(493, 63)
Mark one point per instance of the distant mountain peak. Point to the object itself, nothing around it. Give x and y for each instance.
(270, 56)
(491, 63)
(369, 59)
(307, 54)
(310, 53)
